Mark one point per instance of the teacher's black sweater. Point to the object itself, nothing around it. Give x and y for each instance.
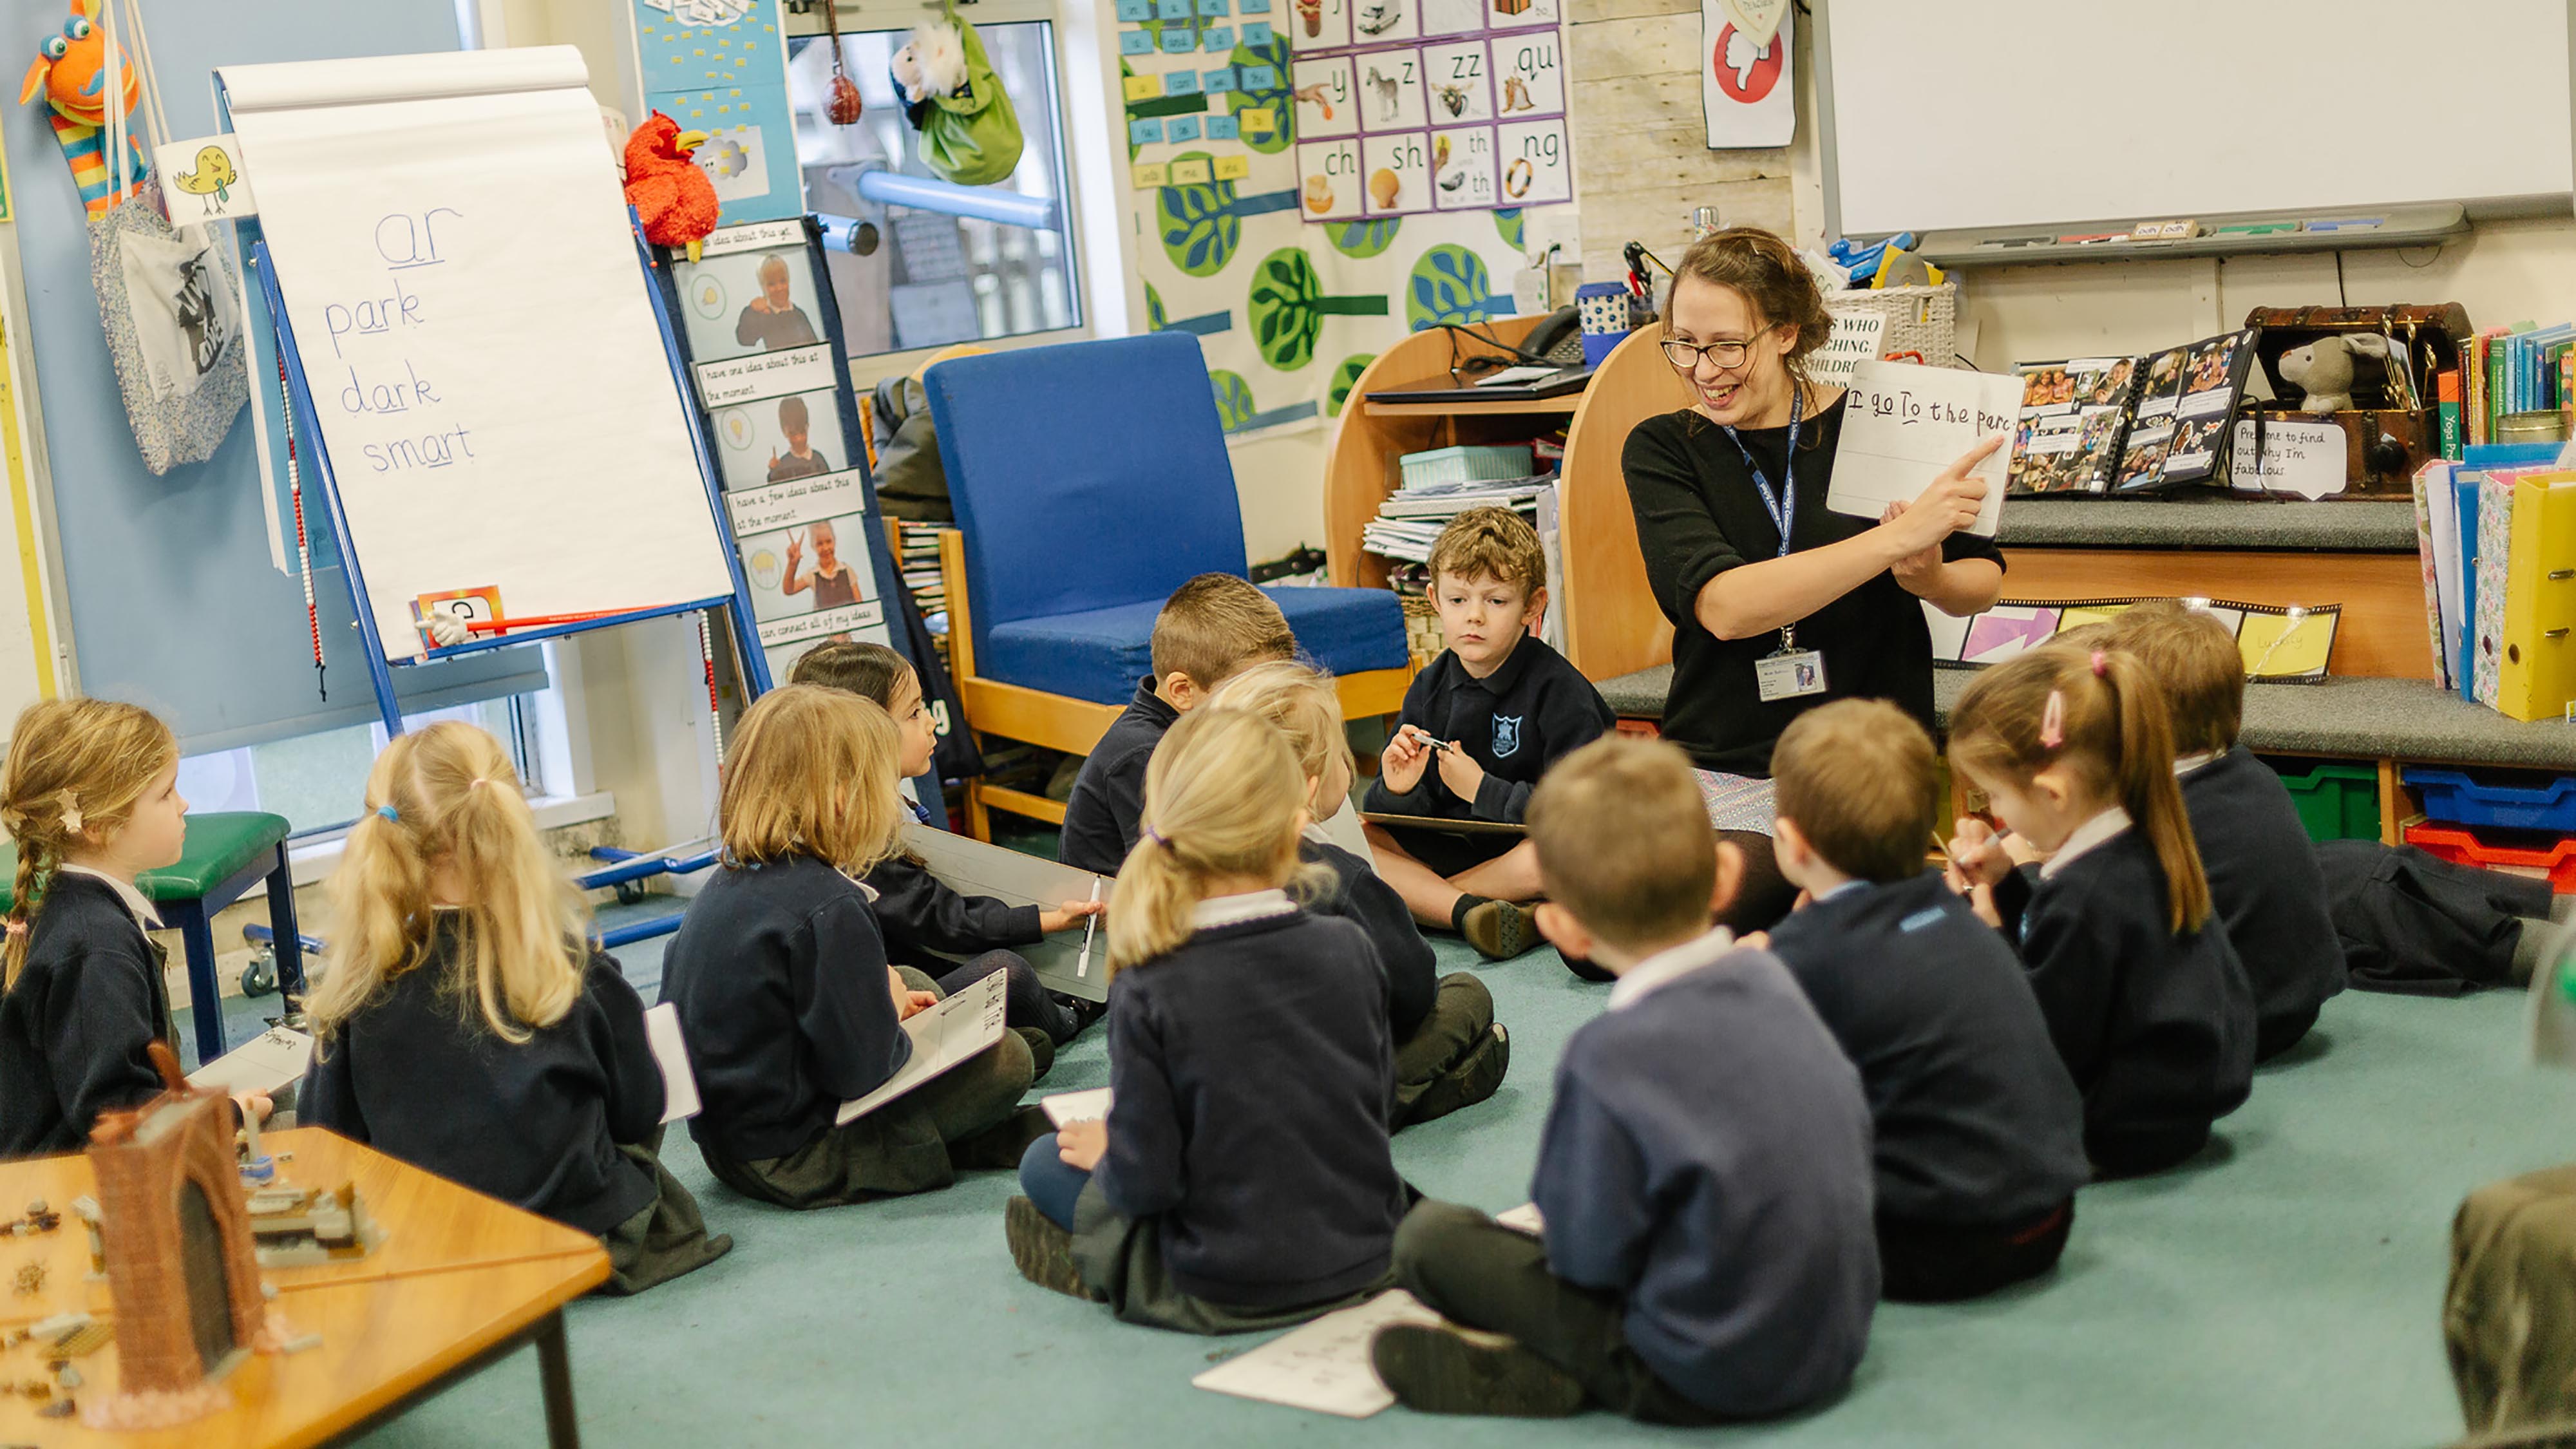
(1251, 1077)
(1698, 515)
(74, 1027)
(418, 1074)
(779, 973)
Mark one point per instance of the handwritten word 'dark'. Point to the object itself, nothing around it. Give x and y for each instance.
(379, 396)
(1904, 407)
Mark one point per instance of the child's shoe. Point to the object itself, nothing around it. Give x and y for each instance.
(1499, 930)
(1042, 1250)
(1445, 1369)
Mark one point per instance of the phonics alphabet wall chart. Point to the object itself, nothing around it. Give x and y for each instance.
(1405, 106)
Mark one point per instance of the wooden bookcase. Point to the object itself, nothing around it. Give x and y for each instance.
(1612, 626)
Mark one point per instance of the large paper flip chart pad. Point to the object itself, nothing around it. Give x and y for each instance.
(491, 383)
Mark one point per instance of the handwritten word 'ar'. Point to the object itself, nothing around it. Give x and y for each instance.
(1906, 408)
(406, 241)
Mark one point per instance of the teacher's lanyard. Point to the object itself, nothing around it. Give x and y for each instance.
(1783, 505)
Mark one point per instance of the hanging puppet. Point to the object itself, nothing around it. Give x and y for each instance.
(73, 70)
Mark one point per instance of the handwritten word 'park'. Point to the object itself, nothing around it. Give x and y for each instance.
(406, 242)
(1903, 407)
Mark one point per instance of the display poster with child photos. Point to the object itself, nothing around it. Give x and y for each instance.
(799, 502)
(1325, 175)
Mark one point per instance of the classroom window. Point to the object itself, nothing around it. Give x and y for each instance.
(319, 781)
(933, 279)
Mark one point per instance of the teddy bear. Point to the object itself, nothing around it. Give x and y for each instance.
(933, 64)
(2323, 370)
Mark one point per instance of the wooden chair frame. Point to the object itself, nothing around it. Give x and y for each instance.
(1059, 722)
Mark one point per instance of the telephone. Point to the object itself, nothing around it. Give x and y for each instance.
(1557, 340)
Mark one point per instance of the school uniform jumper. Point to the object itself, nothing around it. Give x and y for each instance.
(1533, 710)
(1979, 1132)
(1705, 1180)
(779, 974)
(925, 922)
(73, 1029)
(1247, 1181)
(2155, 1026)
(1438, 1022)
(1108, 799)
(565, 1124)
(2266, 885)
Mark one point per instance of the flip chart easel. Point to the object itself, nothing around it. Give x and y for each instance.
(308, 425)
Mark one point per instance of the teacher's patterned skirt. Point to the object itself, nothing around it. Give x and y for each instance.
(1736, 802)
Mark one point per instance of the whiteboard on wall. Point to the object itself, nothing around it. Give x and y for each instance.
(452, 242)
(1987, 113)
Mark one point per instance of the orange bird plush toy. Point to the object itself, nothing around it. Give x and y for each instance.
(673, 197)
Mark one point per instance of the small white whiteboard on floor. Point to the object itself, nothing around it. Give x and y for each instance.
(1074, 962)
(453, 246)
(943, 1038)
(1904, 423)
(1323, 1366)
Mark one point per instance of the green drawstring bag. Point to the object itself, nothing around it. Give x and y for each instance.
(969, 134)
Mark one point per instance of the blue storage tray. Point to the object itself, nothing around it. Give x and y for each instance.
(2450, 795)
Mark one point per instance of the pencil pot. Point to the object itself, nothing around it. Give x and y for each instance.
(1609, 312)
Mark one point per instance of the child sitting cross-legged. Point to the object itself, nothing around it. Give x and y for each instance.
(1479, 726)
(1980, 1134)
(2142, 991)
(1449, 1050)
(2264, 881)
(786, 999)
(917, 911)
(1704, 1174)
(466, 1027)
(1242, 1178)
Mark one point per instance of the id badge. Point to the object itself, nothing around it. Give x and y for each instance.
(1790, 674)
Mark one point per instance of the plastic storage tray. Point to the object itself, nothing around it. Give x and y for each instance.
(1469, 463)
(2557, 862)
(2453, 797)
(2335, 801)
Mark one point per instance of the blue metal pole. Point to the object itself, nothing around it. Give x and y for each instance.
(988, 203)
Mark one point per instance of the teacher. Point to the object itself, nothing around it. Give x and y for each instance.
(1778, 603)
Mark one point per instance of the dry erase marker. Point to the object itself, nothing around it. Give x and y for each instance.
(1090, 927)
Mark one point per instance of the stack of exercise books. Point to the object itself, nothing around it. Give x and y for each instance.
(917, 557)
(2129, 425)
(2523, 368)
(1409, 522)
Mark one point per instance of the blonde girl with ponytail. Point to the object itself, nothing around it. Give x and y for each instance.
(466, 1025)
(1449, 1050)
(90, 796)
(1241, 1179)
(2144, 994)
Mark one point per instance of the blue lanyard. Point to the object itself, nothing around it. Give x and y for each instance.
(1783, 505)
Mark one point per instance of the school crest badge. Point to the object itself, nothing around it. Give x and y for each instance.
(1507, 735)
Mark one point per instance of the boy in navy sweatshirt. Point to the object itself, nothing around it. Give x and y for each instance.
(1980, 1131)
(1479, 727)
(1210, 628)
(2263, 873)
(1704, 1175)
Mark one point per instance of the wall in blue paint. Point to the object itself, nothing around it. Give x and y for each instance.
(174, 604)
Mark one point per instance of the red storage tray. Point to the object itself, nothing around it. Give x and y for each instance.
(2558, 862)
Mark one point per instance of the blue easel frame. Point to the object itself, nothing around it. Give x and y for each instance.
(315, 457)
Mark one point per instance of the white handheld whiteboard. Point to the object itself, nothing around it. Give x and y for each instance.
(1993, 113)
(453, 246)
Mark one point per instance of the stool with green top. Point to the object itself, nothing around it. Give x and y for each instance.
(227, 852)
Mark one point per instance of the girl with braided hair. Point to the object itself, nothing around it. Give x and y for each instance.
(90, 795)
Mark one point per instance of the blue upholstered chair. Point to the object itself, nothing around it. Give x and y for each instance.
(1089, 481)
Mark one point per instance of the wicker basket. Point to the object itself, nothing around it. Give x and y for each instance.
(1919, 319)
(1422, 636)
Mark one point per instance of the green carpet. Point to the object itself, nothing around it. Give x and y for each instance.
(2284, 1290)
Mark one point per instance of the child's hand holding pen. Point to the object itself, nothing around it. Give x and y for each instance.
(1068, 915)
(1400, 767)
(1977, 856)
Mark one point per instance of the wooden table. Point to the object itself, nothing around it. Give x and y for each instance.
(460, 1282)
